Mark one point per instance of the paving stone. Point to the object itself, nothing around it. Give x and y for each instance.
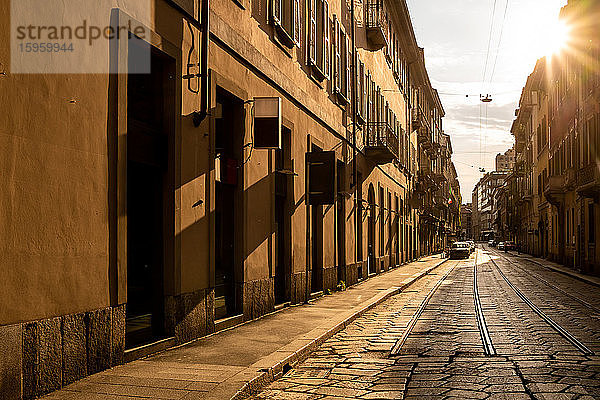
(443, 356)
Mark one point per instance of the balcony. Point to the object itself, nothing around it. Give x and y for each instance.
(588, 181)
(438, 177)
(554, 189)
(415, 201)
(526, 194)
(417, 119)
(440, 200)
(424, 138)
(433, 151)
(381, 144)
(426, 177)
(571, 178)
(377, 24)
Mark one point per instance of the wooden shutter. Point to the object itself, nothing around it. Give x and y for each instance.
(337, 79)
(322, 182)
(369, 99)
(358, 74)
(297, 28)
(276, 11)
(364, 93)
(348, 66)
(312, 32)
(326, 40)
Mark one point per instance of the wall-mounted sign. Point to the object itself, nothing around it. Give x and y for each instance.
(267, 123)
(321, 167)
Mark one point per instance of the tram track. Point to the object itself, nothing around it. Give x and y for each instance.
(488, 346)
(553, 324)
(544, 281)
(413, 321)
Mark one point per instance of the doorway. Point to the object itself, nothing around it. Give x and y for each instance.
(359, 226)
(283, 217)
(316, 243)
(397, 232)
(229, 127)
(150, 115)
(340, 219)
(371, 233)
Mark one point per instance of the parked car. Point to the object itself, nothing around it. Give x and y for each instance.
(501, 246)
(460, 250)
(471, 245)
(511, 246)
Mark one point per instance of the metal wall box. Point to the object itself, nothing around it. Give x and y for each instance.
(321, 168)
(267, 123)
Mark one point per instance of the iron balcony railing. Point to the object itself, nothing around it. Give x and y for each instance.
(587, 174)
(377, 23)
(380, 135)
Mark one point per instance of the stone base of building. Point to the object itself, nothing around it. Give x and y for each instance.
(190, 315)
(42, 356)
(259, 298)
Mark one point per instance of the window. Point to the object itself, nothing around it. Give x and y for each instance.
(342, 59)
(361, 81)
(285, 16)
(319, 37)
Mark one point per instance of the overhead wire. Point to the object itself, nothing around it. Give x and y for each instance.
(499, 43)
(487, 55)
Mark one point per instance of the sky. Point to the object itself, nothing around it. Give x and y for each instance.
(456, 35)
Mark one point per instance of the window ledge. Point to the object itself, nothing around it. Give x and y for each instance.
(317, 73)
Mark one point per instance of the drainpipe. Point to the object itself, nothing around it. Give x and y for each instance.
(199, 116)
(358, 218)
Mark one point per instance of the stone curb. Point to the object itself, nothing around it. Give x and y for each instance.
(276, 371)
(573, 274)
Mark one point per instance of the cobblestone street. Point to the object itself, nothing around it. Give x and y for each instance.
(428, 341)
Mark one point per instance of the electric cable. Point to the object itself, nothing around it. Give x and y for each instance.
(499, 43)
(488, 46)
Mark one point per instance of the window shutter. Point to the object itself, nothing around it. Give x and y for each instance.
(358, 74)
(380, 109)
(365, 88)
(370, 99)
(312, 32)
(276, 11)
(326, 40)
(337, 62)
(297, 28)
(348, 67)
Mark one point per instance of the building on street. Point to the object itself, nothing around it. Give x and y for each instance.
(506, 161)
(483, 204)
(297, 146)
(556, 180)
(466, 223)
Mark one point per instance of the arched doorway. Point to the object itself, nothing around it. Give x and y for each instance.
(371, 239)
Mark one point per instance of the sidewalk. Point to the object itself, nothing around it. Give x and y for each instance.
(232, 363)
(592, 280)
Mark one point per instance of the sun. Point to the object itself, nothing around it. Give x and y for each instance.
(554, 37)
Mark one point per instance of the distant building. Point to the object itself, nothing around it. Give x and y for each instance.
(482, 207)
(506, 161)
(466, 221)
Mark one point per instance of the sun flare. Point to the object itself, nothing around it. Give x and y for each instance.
(554, 37)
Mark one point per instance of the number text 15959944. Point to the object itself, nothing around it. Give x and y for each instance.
(33, 47)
